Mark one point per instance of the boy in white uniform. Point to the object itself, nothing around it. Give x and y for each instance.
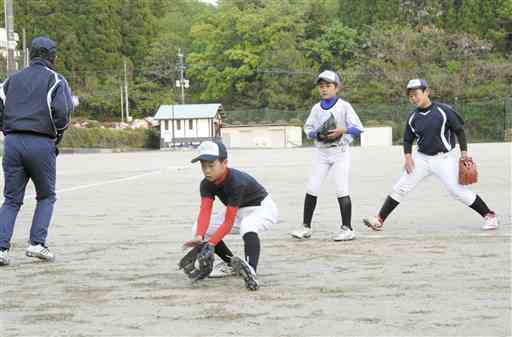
(332, 124)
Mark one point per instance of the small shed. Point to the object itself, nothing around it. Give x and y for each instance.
(189, 123)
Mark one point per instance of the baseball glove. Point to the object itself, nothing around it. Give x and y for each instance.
(198, 262)
(468, 173)
(323, 130)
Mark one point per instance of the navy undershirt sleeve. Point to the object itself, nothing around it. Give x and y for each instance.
(461, 137)
(409, 137)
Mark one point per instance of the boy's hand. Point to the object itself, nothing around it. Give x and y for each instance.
(409, 164)
(335, 133)
(198, 240)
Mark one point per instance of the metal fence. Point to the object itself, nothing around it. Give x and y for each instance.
(486, 119)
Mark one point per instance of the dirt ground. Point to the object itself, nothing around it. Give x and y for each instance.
(121, 218)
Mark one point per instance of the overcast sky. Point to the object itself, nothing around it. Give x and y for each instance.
(213, 2)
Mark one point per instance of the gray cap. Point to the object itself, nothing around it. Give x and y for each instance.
(329, 76)
(417, 83)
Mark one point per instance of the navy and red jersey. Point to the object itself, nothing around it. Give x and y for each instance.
(238, 190)
(434, 127)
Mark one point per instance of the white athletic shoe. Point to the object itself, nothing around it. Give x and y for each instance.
(245, 270)
(345, 234)
(222, 269)
(491, 221)
(4, 257)
(39, 251)
(374, 223)
(303, 233)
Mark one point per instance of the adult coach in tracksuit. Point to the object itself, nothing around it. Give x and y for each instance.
(35, 107)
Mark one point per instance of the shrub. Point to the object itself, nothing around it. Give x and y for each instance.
(110, 138)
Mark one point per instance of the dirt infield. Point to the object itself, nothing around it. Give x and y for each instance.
(121, 218)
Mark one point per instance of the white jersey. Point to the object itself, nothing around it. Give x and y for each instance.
(344, 115)
(332, 156)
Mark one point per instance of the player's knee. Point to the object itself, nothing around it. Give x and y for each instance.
(13, 203)
(341, 193)
(398, 194)
(313, 191)
(465, 196)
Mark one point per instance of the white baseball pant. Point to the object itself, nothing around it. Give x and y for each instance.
(335, 159)
(248, 219)
(444, 166)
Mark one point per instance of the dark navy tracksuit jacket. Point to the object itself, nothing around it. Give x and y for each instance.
(35, 108)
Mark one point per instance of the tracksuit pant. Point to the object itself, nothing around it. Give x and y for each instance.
(27, 156)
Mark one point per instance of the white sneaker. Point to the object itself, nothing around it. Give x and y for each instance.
(491, 221)
(245, 270)
(303, 233)
(39, 251)
(4, 257)
(345, 234)
(222, 269)
(374, 223)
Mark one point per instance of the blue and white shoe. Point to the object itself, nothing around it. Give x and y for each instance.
(39, 251)
(4, 257)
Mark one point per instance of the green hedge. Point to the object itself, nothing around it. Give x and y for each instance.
(110, 138)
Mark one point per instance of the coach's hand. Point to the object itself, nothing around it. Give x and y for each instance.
(409, 163)
(335, 133)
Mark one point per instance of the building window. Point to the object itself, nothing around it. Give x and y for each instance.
(166, 125)
(191, 124)
(178, 124)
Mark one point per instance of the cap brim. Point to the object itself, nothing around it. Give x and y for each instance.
(417, 87)
(324, 80)
(207, 157)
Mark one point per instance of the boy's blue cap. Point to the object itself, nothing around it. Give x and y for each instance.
(210, 151)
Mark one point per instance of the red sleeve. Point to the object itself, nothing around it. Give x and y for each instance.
(203, 221)
(225, 228)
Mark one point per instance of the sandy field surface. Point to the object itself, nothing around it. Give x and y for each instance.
(121, 218)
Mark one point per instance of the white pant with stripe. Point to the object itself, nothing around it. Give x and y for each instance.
(335, 159)
(444, 166)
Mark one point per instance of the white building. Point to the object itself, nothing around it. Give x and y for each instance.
(3, 43)
(263, 136)
(188, 123)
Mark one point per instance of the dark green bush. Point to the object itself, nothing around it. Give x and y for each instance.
(110, 138)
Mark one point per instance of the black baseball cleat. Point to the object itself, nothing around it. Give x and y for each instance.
(245, 270)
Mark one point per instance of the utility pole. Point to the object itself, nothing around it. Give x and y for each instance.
(182, 82)
(11, 42)
(126, 105)
(122, 103)
(25, 50)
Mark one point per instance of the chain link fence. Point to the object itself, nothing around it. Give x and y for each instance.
(486, 119)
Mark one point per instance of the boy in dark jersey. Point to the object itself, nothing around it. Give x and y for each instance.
(434, 125)
(249, 210)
